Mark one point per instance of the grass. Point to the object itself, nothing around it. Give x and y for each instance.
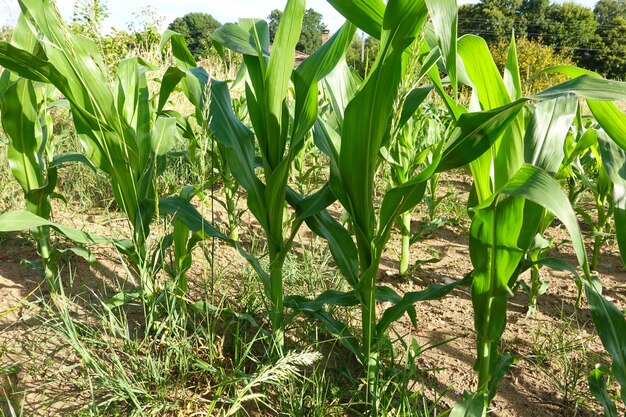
(221, 361)
(564, 353)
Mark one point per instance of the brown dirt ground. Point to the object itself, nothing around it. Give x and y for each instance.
(528, 390)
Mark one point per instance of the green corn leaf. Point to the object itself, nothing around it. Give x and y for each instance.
(413, 100)
(429, 66)
(28, 65)
(82, 253)
(536, 185)
(614, 160)
(15, 221)
(367, 116)
(59, 161)
(490, 90)
(260, 31)
(185, 212)
(340, 299)
(612, 120)
(133, 104)
(482, 71)
(547, 130)
(328, 297)
(169, 82)
(341, 332)
(239, 144)
(164, 135)
(307, 76)
(180, 52)
(404, 197)
(443, 15)
(275, 194)
(567, 70)
(500, 370)
(238, 37)
(611, 326)
(365, 14)
(586, 141)
(340, 243)
(472, 407)
(597, 386)
(475, 133)
(587, 86)
(279, 71)
(312, 204)
(495, 256)
(20, 119)
(341, 85)
(557, 265)
(86, 76)
(511, 77)
(598, 91)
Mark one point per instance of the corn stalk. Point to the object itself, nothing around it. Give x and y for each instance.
(354, 158)
(24, 109)
(120, 132)
(279, 140)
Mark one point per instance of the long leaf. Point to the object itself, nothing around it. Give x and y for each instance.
(365, 14)
(614, 160)
(15, 221)
(611, 326)
(443, 14)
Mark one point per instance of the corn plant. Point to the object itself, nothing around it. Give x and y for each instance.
(25, 111)
(120, 132)
(412, 141)
(592, 174)
(609, 321)
(511, 195)
(208, 154)
(411, 147)
(279, 138)
(354, 159)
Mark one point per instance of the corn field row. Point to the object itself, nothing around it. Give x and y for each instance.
(432, 103)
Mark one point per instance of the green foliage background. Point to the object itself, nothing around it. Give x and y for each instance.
(592, 38)
(312, 28)
(196, 28)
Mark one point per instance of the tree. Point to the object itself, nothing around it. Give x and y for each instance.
(573, 28)
(533, 16)
(610, 58)
(491, 19)
(568, 27)
(607, 10)
(353, 54)
(312, 28)
(196, 28)
(89, 17)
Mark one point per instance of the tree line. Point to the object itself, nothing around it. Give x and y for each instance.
(593, 38)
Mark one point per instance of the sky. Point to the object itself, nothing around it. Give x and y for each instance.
(122, 11)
